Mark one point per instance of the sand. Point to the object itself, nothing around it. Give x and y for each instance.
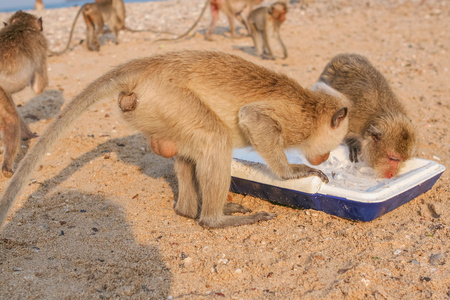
(96, 220)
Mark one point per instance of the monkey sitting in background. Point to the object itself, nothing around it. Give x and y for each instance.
(23, 61)
(263, 21)
(379, 129)
(198, 106)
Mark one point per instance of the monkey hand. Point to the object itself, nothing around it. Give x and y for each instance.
(354, 149)
(301, 171)
(28, 135)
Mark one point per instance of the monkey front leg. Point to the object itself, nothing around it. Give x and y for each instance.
(354, 149)
(187, 204)
(278, 37)
(264, 134)
(267, 51)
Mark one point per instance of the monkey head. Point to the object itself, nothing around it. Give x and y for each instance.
(387, 142)
(278, 11)
(21, 17)
(328, 137)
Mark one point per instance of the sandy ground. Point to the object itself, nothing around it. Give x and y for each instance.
(97, 221)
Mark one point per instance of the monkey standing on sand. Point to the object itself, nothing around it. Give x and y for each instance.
(95, 15)
(202, 105)
(23, 61)
(379, 128)
(238, 9)
(263, 21)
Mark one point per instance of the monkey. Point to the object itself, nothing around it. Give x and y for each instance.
(23, 61)
(380, 131)
(232, 8)
(203, 104)
(95, 16)
(261, 20)
(39, 5)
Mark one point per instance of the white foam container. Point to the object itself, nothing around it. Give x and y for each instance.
(353, 192)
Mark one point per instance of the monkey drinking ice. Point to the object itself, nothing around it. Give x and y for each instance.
(380, 130)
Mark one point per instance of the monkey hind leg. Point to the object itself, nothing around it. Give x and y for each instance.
(187, 202)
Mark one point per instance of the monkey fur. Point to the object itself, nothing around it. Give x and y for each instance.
(23, 62)
(202, 105)
(264, 20)
(380, 130)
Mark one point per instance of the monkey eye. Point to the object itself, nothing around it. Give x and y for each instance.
(393, 158)
(376, 137)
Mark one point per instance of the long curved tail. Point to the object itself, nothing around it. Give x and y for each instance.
(52, 53)
(107, 85)
(190, 29)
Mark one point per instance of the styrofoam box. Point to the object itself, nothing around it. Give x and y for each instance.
(353, 192)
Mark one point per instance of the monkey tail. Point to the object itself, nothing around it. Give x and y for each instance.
(148, 30)
(52, 53)
(107, 85)
(190, 29)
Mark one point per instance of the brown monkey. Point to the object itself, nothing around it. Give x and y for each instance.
(379, 128)
(95, 16)
(23, 61)
(203, 104)
(264, 20)
(38, 5)
(238, 9)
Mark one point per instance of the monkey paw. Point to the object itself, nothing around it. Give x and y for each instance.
(231, 208)
(264, 216)
(28, 136)
(321, 175)
(301, 171)
(353, 154)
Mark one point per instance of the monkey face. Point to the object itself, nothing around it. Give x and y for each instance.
(387, 144)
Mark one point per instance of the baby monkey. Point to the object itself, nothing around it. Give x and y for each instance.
(263, 21)
(379, 129)
(23, 62)
(199, 105)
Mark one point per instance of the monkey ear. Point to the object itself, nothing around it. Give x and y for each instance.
(338, 117)
(322, 87)
(374, 133)
(40, 24)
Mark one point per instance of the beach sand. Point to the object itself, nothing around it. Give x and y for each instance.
(96, 220)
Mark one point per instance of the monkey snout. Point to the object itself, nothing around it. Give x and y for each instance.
(317, 160)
